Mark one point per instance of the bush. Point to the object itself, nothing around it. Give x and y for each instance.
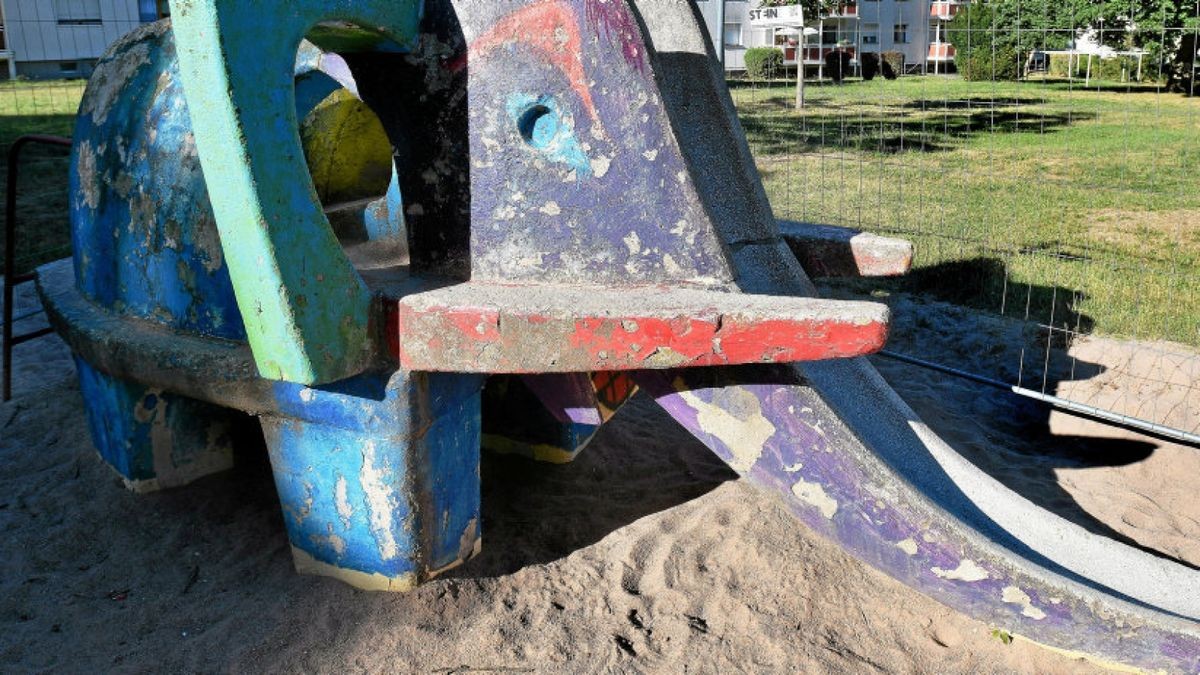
(1061, 65)
(870, 65)
(837, 65)
(764, 63)
(1181, 74)
(984, 63)
(893, 64)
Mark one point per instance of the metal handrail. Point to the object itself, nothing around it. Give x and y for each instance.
(12, 280)
(1109, 417)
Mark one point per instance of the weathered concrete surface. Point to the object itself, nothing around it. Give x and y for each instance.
(771, 427)
(410, 441)
(382, 494)
(576, 147)
(828, 251)
(551, 417)
(310, 322)
(154, 439)
(848, 455)
(492, 328)
(142, 228)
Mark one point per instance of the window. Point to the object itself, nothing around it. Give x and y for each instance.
(900, 34)
(77, 12)
(68, 67)
(870, 35)
(829, 34)
(733, 35)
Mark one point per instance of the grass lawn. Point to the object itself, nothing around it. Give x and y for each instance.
(39, 108)
(1078, 208)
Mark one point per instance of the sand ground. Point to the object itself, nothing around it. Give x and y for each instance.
(645, 555)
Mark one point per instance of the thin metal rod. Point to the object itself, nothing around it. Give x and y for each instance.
(12, 279)
(26, 337)
(31, 313)
(721, 35)
(1090, 412)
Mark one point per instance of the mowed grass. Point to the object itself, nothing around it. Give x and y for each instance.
(39, 108)
(1078, 208)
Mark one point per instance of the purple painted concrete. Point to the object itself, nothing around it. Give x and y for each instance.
(852, 498)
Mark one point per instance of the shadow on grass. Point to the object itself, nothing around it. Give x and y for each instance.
(788, 81)
(43, 233)
(924, 125)
(1102, 86)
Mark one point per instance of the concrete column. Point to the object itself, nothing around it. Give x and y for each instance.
(379, 482)
(154, 440)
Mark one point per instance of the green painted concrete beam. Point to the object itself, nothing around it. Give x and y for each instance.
(306, 309)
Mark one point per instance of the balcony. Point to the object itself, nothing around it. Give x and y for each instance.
(848, 10)
(815, 55)
(941, 52)
(944, 10)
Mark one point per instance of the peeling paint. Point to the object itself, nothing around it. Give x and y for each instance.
(735, 418)
(967, 570)
(1015, 596)
(344, 508)
(86, 168)
(379, 503)
(814, 494)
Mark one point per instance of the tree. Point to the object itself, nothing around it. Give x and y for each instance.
(1166, 29)
(812, 10)
(1018, 25)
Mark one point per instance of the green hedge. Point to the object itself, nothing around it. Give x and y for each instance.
(893, 64)
(984, 63)
(870, 65)
(764, 63)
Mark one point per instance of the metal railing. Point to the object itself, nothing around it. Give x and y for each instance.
(12, 279)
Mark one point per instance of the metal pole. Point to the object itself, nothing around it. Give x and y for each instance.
(1097, 414)
(800, 66)
(721, 35)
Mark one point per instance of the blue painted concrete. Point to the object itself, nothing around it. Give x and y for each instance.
(147, 435)
(144, 239)
(380, 477)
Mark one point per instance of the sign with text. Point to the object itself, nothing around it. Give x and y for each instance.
(766, 17)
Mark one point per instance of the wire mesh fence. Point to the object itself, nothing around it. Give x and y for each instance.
(1041, 155)
(47, 49)
(1047, 175)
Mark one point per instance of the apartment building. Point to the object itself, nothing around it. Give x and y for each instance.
(916, 28)
(64, 38)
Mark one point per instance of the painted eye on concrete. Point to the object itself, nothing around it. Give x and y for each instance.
(549, 130)
(538, 125)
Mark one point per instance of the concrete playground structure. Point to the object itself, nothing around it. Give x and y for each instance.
(572, 213)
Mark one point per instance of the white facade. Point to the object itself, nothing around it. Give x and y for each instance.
(912, 27)
(63, 38)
